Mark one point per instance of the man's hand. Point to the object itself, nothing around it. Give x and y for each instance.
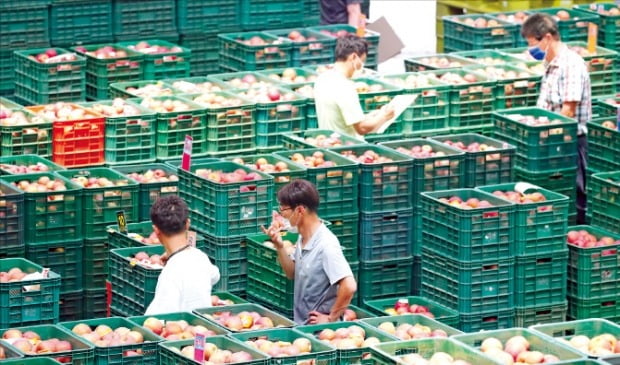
(164, 258)
(274, 234)
(315, 317)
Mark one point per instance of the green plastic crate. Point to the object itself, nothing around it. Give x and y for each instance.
(542, 147)
(198, 84)
(360, 313)
(71, 305)
(176, 164)
(467, 235)
(494, 165)
(488, 57)
(27, 164)
(384, 279)
(158, 66)
(321, 353)
(603, 142)
(280, 178)
(101, 204)
(11, 221)
(151, 191)
(307, 90)
(522, 90)
(602, 67)
(413, 319)
(128, 139)
(239, 56)
(446, 171)
(386, 235)
(81, 354)
(227, 208)
(131, 280)
(28, 307)
(318, 138)
(559, 181)
(266, 278)
(55, 215)
(486, 321)
(95, 303)
(608, 29)
(212, 312)
(390, 353)
(593, 272)
(44, 75)
(173, 127)
(303, 76)
(144, 19)
(205, 50)
(269, 14)
(8, 104)
(231, 81)
(469, 287)
(537, 341)
(350, 356)
(141, 89)
(383, 186)
(339, 30)
(29, 90)
(229, 254)
(137, 231)
(33, 361)
(170, 354)
(229, 128)
(95, 266)
(116, 354)
(576, 27)
(33, 138)
(586, 327)
(429, 63)
(226, 296)
(600, 307)
(540, 226)
(346, 228)
(337, 185)
(197, 15)
(603, 191)
(80, 22)
(315, 48)
(540, 278)
(430, 112)
(24, 25)
(461, 36)
(534, 315)
(190, 318)
(64, 257)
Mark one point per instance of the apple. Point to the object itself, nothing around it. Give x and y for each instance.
(439, 62)
(242, 321)
(471, 203)
(41, 185)
(105, 336)
(520, 198)
(10, 118)
(118, 108)
(299, 346)
(585, 239)
(222, 177)
(62, 111)
(261, 164)
(519, 17)
(24, 169)
(94, 182)
(175, 329)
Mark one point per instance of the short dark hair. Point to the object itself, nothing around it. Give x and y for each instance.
(299, 192)
(539, 24)
(169, 214)
(349, 44)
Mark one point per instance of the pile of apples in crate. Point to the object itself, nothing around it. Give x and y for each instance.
(30, 343)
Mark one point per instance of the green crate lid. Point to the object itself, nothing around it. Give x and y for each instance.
(411, 319)
(222, 342)
(537, 342)
(27, 160)
(278, 320)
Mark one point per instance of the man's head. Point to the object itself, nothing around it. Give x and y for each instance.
(297, 199)
(541, 30)
(169, 215)
(352, 50)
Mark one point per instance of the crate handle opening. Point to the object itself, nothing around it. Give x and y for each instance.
(247, 188)
(545, 260)
(490, 267)
(390, 218)
(490, 319)
(544, 208)
(611, 303)
(611, 252)
(543, 312)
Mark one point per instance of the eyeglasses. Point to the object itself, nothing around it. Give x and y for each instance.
(285, 209)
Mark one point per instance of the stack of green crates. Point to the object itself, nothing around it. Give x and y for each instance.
(25, 24)
(546, 153)
(271, 14)
(230, 255)
(467, 256)
(252, 51)
(55, 238)
(101, 72)
(603, 136)
(159, 65)
(540, 255)
(608, 28)
(44, 83)
(80, 22)
(592, 276)
(430, 172)
(385, 219)
(603, 206)
(310, 47)
(143, 20)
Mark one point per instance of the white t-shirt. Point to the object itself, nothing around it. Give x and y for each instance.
(337, 103)
(184, 283)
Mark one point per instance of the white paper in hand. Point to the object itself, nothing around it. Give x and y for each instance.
(400, 103)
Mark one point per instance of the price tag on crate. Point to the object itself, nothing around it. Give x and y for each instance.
(199, 347)
(186, 161)
(45, 272)
(191, 238)
(122, 222)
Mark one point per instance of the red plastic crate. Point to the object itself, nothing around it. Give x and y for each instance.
(78, 143)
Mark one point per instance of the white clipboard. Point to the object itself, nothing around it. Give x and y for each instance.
(400, 103)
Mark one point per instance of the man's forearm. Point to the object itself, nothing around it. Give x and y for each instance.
(288, 265)
(346, 289)
(354, 11)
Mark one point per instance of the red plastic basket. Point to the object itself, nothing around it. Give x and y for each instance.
(78, 143)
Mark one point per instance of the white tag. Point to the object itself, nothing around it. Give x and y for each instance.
(522, 187)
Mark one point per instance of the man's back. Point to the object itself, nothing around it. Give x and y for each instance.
(337, 103)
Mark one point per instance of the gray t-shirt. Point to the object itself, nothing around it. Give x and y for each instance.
(318, 267)
(335, 11)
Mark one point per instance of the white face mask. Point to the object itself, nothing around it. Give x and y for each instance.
(358, 71)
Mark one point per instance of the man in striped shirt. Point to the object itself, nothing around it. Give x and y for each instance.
(565, 88)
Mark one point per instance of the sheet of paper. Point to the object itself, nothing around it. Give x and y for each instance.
(399, 104)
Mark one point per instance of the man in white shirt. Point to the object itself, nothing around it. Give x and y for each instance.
(187, 278)
(337, 104)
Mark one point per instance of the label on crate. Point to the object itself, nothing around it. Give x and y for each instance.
(186, 161)
(122, 222)
(592, 36)
(522, 187)
(191, 238)
(45, 272)
(199, 347)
